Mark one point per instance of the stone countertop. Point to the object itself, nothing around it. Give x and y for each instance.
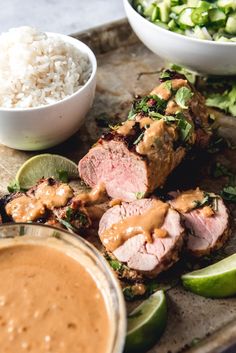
(63, 16)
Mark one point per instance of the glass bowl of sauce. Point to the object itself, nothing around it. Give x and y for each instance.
(57, 294)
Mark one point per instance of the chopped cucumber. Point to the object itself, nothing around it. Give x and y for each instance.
(178, 9)
(185, 20)
(231, 24)
(227, 4)
(172, 25)
(204, 19)
(164, 12)
(217, 17)
(202, 33)
(199, 17)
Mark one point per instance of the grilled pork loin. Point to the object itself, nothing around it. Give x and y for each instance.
(137, 157)
(205, 218)
(50, 202)
(145, 234)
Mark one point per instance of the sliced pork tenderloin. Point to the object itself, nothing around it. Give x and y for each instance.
(147, 257)
(137, 157)
(206, 219)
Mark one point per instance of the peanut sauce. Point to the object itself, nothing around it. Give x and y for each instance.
(186, 201)
(27, 208)
(126, 128)
(145, 224)
(97, 194)
(49, 303)
(53, 195)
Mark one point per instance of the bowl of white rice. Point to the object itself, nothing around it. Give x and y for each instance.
(47, 86)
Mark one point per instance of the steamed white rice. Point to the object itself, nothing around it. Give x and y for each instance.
(37, 70)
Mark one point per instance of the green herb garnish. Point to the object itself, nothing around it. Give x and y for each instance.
(229, 193)
(210, 199)
(183, 96)
(63, 176)
(185, 128)
(168, 85)
(143, 106)
(76, 215)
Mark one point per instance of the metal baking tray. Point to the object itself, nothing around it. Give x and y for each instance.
(126, 68)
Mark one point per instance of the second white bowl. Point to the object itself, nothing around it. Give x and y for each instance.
(203, 56)
(46, 126)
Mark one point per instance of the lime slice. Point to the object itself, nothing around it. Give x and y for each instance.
(215, 281)
(146, 323)
(44, 166)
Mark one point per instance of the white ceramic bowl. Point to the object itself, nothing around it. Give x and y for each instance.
(46, 126)
(203, 56)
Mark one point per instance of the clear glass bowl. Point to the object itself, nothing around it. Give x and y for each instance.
(88, 256)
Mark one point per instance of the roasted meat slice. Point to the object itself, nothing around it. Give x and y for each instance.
(147, 253)
(206, 220)
(138, 156)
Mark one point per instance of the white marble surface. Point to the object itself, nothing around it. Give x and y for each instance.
(63, 16)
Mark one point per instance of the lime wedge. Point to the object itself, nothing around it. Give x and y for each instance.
(146, 323)
(44, 166)
(215, 281)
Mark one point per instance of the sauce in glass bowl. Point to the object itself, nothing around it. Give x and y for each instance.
(51, 299)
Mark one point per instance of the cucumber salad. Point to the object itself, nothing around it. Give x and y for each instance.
(209, 20)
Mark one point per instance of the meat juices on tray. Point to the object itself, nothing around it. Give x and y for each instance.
(138, 156)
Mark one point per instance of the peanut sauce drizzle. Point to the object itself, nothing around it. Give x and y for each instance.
(127, 228)
(26, 208)
(186, 201)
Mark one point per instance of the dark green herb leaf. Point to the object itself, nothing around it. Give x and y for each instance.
(185, 127)
(69, 213)
(221, 170)
(116, 265)
(229, 193)
(63, 176)
(183, 96)
(210, 199)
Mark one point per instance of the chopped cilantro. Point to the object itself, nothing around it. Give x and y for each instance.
(221, 170)
(225, 101)
(165, 75)
(210, 199)
(63, 176)
(229, 193)
(143, 106)
(76, 215)
(168, 85)
(183, 96)
(185, 128)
